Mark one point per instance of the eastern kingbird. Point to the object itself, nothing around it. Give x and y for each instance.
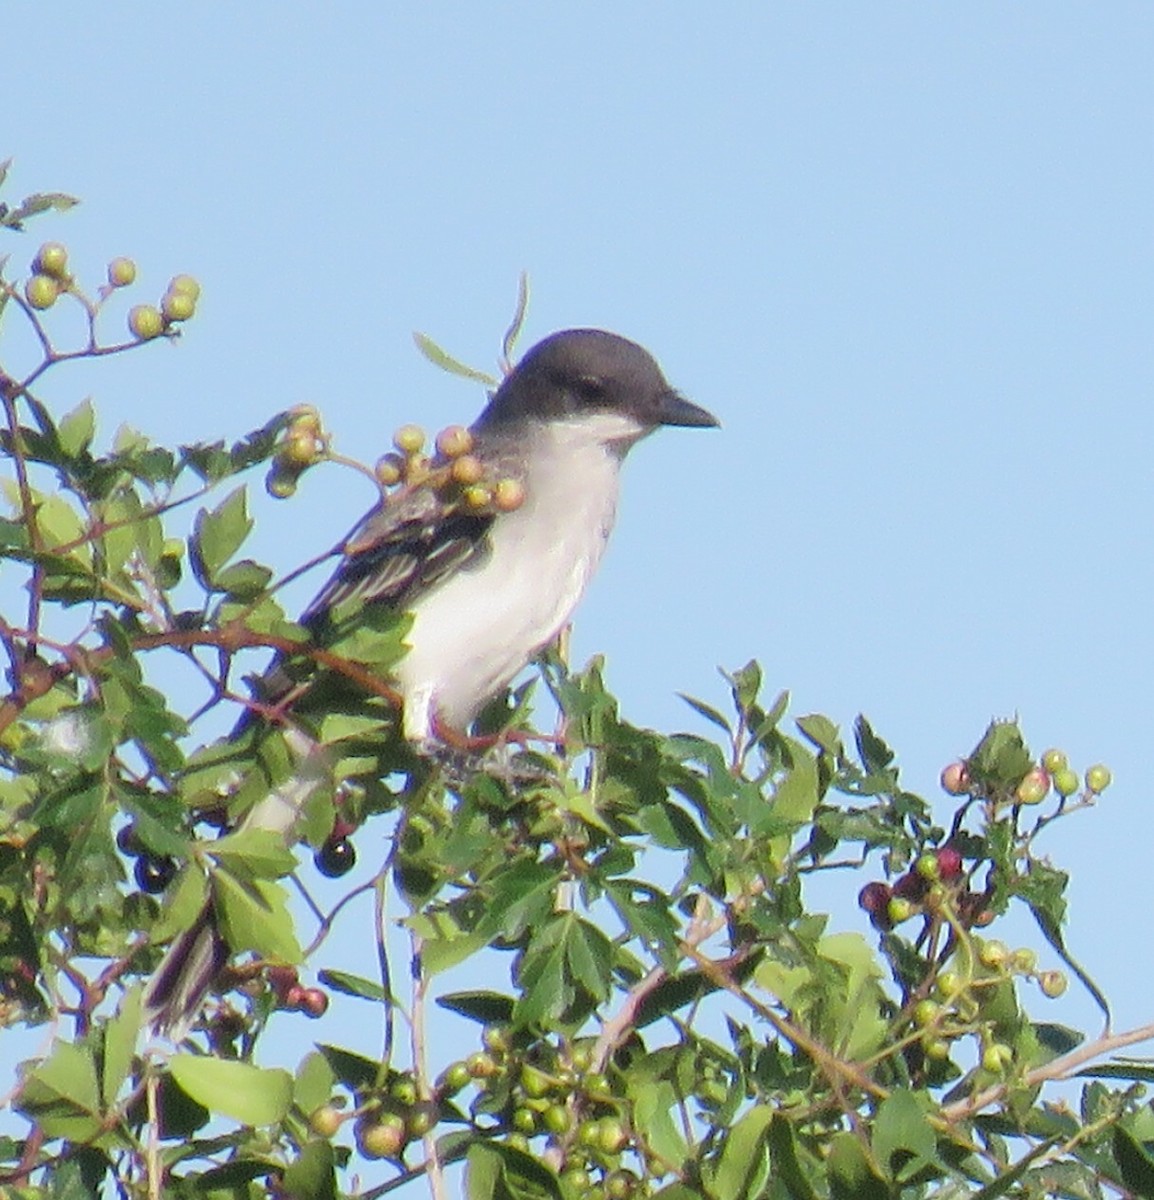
(486, 591)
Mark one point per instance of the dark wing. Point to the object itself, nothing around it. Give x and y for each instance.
(401, 549)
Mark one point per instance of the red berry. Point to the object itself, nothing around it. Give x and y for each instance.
(314, 1002)
(956, 778)
(949, 862)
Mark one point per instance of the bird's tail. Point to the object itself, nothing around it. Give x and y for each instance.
(180, 983)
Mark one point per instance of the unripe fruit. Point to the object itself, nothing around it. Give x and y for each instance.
(467, 470)
(1098, 778)
(335, 858)
(1024, 960)
(557, 1119)
(899, 909)
(949, 862)
(997, 1057)
(390, 469)
(454, 440)
(145, 322)
(1034, 788)
(41, 291)
(518, 1141)
(955, 778)
(596, 1085)
(121, 272)
(1054, 760)
(508, 495)
(1052, 983)
(52, 259)
(496, 1038)
(927, 866)
(420, 1119)
(477, 496)
(936, 1048)
(177, 306)
(455, 1077)
(409, 439)
(184, 285)
(524, 1120)
(619, 1185)
(326, 1120)
(611, 1136)
(993, 954)
(481, 1065)
(949, 984)
(926, 1012)
(299, 450)
(384, 1138)
(535, 1082)
(1065, 782)
(281, 483)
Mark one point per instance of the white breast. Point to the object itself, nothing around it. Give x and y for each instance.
(476, 630)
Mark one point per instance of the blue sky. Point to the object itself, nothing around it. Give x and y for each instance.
(903, 251)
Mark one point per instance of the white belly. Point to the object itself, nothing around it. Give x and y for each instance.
(474, 632)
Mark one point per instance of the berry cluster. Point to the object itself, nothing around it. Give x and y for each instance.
(936, 880)
(453, 471)
(52, 277)
(153, 872)
(552, 1092)
(1053, 773)
(292, 996)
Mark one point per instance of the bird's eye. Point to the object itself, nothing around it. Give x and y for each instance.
(590, 388)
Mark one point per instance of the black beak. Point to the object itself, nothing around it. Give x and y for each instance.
(674, 409)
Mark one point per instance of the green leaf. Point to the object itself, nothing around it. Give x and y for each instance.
(76, 429)
(120, 1036)
(314, 1083)
(489, 1008)
(707, 711)
(509, 341)
(821, 731)
(260, 853)
(851, 1175)
(741, 1170)
(1134, 1162)
(353, 1070)
(217, 534)
(1000, 759)
(446, 362)
(312, 1174)
(654, 1103)
(251, 1095)
(901, 1127)
(254, 915)
(352, 985)
(63, 1094)
(786, 1163)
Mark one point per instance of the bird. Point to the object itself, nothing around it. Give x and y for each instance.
(485, 591)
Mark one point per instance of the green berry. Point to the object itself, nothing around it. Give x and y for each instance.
(535, 1082)
(121, 272)
(524, 1120)
(496, 1038)
(899, 909)
(926, 1012)
(467, 470)
(455, 1077)
(52, 259)
(281, 483)
(1098, 778)
(1034, 788)
(477, 496)
(326, 1120)
(390, 469)
(611, 1136)
(481, 1065)
(184, 285)
(927, 866)
(993, 954)
(145, 322)
(997, 1057)
(557, 1119)
(381, 1139)
(1025, 960)
(508, 495)
(409, 439)
(1065, 782)
(41, 291)
(1052, 983)
(936, 1048)
(1055, 760)
(177, 306)
(949, 984)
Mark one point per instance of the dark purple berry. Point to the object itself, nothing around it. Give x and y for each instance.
(154, 873)
(336, 857)
(874, 897)
(127, 841)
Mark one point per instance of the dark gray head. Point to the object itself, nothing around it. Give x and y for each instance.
(588, 371)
